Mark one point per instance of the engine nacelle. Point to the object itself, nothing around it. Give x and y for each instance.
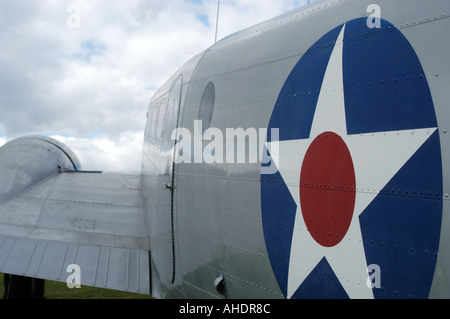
(26, 161)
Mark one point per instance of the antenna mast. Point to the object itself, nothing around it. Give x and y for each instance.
(217, 20)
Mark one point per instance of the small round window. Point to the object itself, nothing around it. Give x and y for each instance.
(207, 106)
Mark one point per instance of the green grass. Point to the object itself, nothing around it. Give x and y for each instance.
(59, 290)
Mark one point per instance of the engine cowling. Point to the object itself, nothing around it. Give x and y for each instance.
(27, 161)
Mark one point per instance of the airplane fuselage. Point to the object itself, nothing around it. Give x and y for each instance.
(306, 157)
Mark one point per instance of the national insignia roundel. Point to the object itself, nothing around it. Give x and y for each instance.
(354, 209)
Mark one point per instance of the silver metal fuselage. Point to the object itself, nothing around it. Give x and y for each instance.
(205, 219)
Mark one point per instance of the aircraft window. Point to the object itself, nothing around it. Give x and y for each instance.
(154, 121)
(173, 107)
(207, 106)
(162, 113)
(149, 122)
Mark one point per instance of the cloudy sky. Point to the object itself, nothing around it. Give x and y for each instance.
(83, 71)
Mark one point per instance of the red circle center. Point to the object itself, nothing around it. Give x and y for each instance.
(327, 189)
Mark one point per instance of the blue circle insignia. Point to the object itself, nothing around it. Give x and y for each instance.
(385, 92)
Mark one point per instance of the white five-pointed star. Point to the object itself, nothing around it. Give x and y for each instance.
(377, 157)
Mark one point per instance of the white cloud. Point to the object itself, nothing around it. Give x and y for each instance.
(78, 82)
(105, 154)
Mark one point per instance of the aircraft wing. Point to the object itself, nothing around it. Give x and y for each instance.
(94, 220)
